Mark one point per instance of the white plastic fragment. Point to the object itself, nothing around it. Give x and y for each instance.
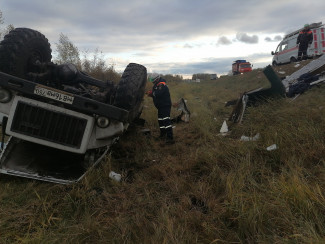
(224, 128)
(272, 147)
(247, 138)
(115, 176)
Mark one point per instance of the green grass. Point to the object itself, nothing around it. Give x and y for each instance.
(206, 188)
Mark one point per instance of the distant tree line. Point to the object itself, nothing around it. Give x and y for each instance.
(93, 64)
(173, 78)
(4, 30)
(201, 76)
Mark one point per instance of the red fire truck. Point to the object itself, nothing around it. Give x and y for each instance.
(241, 66)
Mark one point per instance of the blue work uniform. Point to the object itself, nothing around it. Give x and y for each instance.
(162, 101)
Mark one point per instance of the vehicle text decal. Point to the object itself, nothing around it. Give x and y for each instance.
(53, 94)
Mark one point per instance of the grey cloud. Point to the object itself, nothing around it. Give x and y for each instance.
(275, 39)
(187, 46)
(243, 37)
(224, 41)
(155, 21)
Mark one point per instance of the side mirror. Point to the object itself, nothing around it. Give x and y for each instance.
(272, 53)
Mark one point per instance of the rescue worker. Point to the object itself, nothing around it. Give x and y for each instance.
(161, 99)
(304, 40)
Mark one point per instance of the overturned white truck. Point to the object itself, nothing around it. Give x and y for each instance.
(60, 121)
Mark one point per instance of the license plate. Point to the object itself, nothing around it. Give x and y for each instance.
(53, 94)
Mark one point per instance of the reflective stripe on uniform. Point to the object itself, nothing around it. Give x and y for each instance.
(165, 127)
(163, 118)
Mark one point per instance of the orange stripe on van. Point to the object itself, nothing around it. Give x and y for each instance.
(288, 50)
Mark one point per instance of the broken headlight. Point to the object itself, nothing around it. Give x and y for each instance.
(5, 95)
(102, 122)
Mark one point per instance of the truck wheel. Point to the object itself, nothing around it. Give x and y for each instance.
(20, 50)
(293, 60)
(130, 90)
(275, 63)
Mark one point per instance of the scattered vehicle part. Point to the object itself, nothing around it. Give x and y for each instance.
(146, 132)
(241, 66)
(185, 113)
(249, 138)
(287, 50)
(61, 122)
(305, 82)
(253, 97)
(224, 128)
(303, 79)
(315, 67)
(272, 147)
(239, 109)
(115, 176)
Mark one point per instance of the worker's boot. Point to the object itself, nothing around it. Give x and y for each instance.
(170, 137)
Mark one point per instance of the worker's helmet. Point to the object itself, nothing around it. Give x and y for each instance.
(153, 77)
(306, 26)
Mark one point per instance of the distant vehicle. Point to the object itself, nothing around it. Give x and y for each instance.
(213, 76)
(287, 50)
(241, 66)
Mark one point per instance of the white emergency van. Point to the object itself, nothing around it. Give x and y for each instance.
(287, 50)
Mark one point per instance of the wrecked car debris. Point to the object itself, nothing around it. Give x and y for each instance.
(303, 79)
(224, 129)
(115, 176)
(253, 97)
(61, 122)
(305, 82)
(313, 68)
(272, 147)
(247, 138)
(185, 113)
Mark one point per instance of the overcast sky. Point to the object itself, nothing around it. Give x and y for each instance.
(168, 36)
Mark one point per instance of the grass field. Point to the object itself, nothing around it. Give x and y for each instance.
(205, 188)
